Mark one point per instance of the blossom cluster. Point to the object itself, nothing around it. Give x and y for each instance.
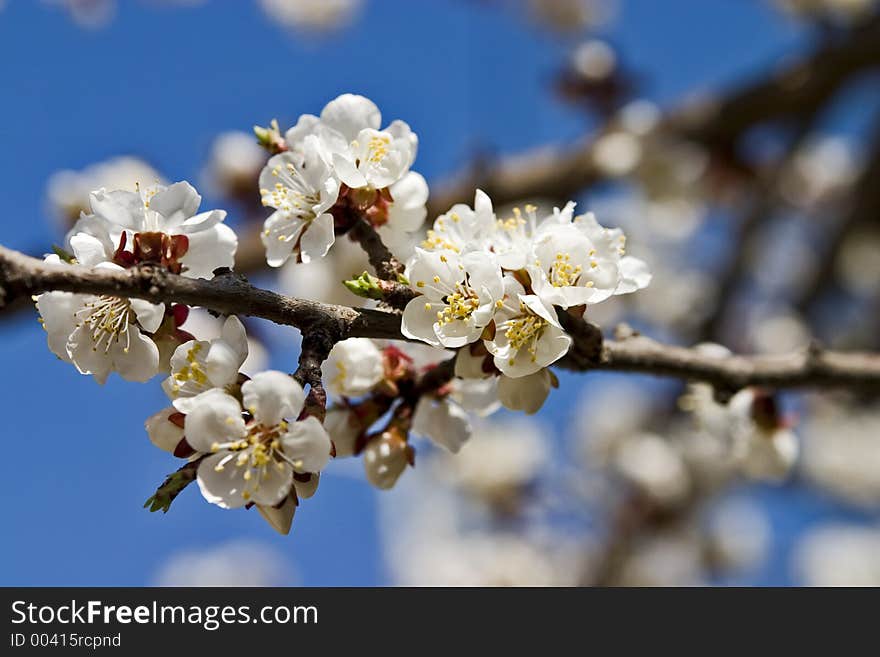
(335, 167)
(155, 225)
(495, 288)
(250, 439)
(489, 301)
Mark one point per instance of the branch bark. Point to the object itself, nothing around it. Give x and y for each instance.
(229, 293)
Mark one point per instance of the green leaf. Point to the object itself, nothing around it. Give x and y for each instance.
(366, 286)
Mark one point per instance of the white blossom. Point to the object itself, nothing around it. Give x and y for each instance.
(310, 15)
(462, 228)
(162, 431)
(344, 429)
(525, 393)
(101, 334)
(362, 155)
(302, 188)
(199, 365)
(581, 263)
(385, 458)
(254, 459)
(528, 337)
(234, 163)
(353, 367)
(503, 459)
(172, 211)
(405, 214)
(443, 421)
(459, 295)
(839, 555)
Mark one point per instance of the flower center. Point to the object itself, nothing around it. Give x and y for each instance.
(192, 371)
(290, 194)
(256, 453)
(435, 241)
(563, 273)
(524, 332)
(378, 148)
(107, 319)
(460, 305)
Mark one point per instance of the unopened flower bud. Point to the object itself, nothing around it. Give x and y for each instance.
(386, 457)
(344, 429)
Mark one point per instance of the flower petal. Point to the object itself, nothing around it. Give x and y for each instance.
(149, 315)
(272, 396)
(121, 208)
(317, 238)
(307, 444)
(209, 250)
(445, 423)
(175, 203)
(526, 393)
(224, 484)
(418, 320)
(163, 433)
(349, 114)
(214, 417)
(202, 221)
(280, 233)
(226, 355)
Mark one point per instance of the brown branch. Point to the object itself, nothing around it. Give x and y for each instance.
(387, 267)
(812, 368)
(229, 293)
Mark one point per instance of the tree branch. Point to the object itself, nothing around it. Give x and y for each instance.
(387, 267)
(230, 293)
(227, 293)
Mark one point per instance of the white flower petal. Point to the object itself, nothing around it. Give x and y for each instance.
(149, 315)
(349, 114)
(89, 250)
(175, 203)
(224, 484)
(202, 221)
(526, 393)
(163, 433)
(214, 417)
(445, 423)
(307, 444)
(121, 208)
(418, 321)
(58, 312)
(279, 236)
(226, 355)
(210, 249)
(272, 396)
(317, 238)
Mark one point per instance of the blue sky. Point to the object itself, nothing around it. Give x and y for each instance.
(160, 83)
